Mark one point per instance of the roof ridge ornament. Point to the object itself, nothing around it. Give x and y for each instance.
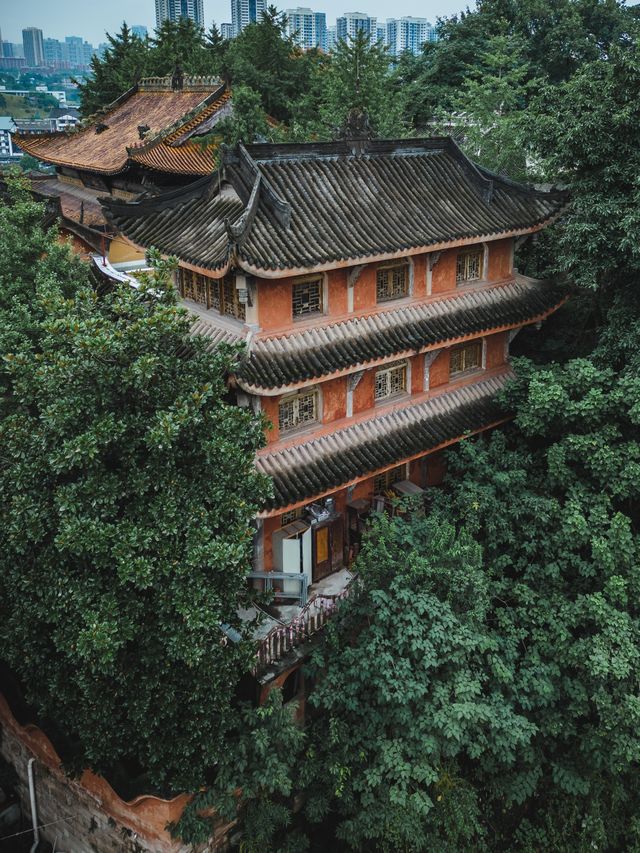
(357, 130)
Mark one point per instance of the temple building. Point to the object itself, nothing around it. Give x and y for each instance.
(144, 142)
(373, 284)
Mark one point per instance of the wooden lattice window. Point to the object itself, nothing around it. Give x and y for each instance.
(221, 296)
(392, 282)
(307, 298)
(215, 300)
(383, 482)
(291, 515)
(391, 380)
(469, 266)
(298, 410)
(468, 357)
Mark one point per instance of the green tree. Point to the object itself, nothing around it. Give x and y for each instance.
(265, 58)
(248, 121)
(356, 81)
(124, 63)
(486, 112)
(256, 774)
(127, 491)
(588, 133)
(29, 253)
(414, 682)
(181, 44)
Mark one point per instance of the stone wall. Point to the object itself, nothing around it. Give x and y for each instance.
(86, 815)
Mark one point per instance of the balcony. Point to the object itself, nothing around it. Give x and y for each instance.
(287, 627)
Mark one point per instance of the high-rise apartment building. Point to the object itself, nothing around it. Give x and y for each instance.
(173, 10)
(140, 30)
(245, 12)
(33, 47)
(307, 27)
(332, 37)
(408, 34)
(351, 22)
(226, 31)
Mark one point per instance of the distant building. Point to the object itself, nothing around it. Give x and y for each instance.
(140, 30)
(381, 33)
(64, 117)
(12, 63)
(408, 34)
(352, 22)
(53, 53)
(309, 28)
(245, 12)
(173, 10)
(33, 47)
(226, 31)
(331, 37)
(6, 49)
(73, 52)
(7, 148)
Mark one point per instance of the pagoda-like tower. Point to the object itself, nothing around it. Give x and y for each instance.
(374, 285)
(146, 141)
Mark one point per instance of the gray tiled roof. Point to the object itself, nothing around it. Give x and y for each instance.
(308, 206)
(324, 349)
(309, 469)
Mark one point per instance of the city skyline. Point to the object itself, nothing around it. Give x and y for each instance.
(73, 18)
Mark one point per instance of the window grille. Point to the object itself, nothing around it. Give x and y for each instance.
(392, 282)
(469, 266)
(465, 358)
(307, 298)
(292, 515)
(391, 380)
(200, 290)
(296, 411)
(214, 294)
(221, 296)
(383, 482)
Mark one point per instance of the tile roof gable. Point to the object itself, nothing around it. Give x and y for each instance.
(318, 205)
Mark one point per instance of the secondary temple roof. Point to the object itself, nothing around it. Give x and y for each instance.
(311, 353)
(166, 111)
(319, 465)
(273, 209)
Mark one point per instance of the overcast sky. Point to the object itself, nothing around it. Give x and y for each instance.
(91, 18)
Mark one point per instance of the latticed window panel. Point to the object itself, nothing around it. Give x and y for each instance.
(292, 515)
(390, 381)
(200, 290)
(392, 282)
(383, 482)
(296, 411)
(469, 266)
(307, 298)
(466, 358)
(221, 296)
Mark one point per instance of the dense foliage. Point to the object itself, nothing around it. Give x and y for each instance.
(127, 491)
(481, 691)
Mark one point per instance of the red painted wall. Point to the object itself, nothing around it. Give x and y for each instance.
(500, 259)
(363, 395)
(439, 372)
(334, 399)
(443, 275)
(495, 349)
(364, 293)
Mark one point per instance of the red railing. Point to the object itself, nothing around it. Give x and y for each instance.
(313, 617)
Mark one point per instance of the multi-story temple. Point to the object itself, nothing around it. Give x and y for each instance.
(373, 283)
(145, 142)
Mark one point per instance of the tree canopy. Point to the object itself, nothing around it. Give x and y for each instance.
(127, 493)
